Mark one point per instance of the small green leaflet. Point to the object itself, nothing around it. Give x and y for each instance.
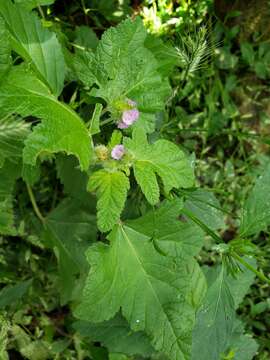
(152, 295)
(69, 232)
(36, 44)
(111, 188)
(171, 236)
(81, 63)
(164, 159)
(214, 321)
(94, 123)
(86, 38)
(11, 294)
(61, 130)
(256, 209)
(116, 335)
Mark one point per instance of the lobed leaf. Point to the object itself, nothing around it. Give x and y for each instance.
(61, 128)
(111, 188)
(164, 159)
(132, 275)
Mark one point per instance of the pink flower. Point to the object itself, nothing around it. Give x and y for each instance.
(122, 125)
(129, 116)
(117, 152)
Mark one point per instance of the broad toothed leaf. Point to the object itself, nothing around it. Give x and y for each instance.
(124, 67)
(61, 128)
(171, 235)
(111, 188)
(130, 274)
(164, 159)
(35, 44)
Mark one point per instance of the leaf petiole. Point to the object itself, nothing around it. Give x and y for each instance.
(34, 204)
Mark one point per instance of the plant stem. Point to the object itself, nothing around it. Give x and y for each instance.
(259, 274)
(107, 121)
(34, 204)
(41, 12)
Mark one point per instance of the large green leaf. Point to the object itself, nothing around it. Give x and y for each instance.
(35, 44)
(69, 232)
(124, 67)
(5, 48)
(171, 235)
(256, 209)
(116, 335)
(164, 159)
(214, 322)
(61, 128)
(152, 290)
(111, 188)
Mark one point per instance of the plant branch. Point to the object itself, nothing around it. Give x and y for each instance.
(34, 204)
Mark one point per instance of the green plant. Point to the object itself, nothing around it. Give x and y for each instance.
(126, 220)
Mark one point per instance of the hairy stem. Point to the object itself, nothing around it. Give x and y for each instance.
(34, 204)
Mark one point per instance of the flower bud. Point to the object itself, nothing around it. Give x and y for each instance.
(102, 152)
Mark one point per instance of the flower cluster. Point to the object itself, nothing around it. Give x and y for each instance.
(129, 116)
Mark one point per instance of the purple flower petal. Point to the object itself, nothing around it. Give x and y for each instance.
(130, 116)
(122, 125)
(117, 152)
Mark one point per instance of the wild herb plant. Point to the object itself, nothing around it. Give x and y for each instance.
(128, 229)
